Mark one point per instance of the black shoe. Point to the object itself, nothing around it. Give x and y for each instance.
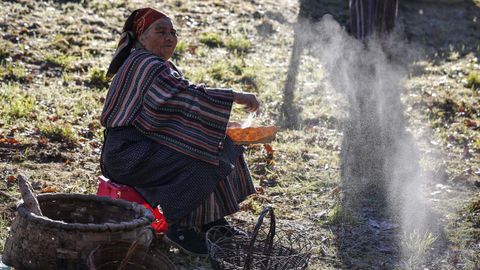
(224, 227)
(218, 222)
(187, 240)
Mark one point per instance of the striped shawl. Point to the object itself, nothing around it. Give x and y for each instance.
(153, 96)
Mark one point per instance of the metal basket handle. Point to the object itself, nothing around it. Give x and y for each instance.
(267, 249)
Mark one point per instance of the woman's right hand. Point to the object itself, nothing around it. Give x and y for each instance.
(248, 100)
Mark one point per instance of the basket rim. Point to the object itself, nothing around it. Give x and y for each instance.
(220, 250)
(144, 220)
(247, 238)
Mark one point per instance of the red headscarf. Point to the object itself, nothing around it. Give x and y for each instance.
(136, 24)
(144, 18)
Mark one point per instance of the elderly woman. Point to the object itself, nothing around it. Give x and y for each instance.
(166, 136)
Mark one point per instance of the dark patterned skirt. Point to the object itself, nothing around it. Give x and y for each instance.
(189, 191)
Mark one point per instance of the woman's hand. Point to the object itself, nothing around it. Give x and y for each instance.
(248, 100)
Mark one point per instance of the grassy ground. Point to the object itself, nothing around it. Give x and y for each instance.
(53, 55)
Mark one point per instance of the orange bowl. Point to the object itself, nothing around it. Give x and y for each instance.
(251, 135)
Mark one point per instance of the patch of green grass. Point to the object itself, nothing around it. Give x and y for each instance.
(67, 77)
(476, 144)
(86, 105)
(415, 247)
(453, 56)
(63, 61)
(15, 103)
(220, 71)
(22, 106)
(180, 50)
(229, 70)
(473, 215)
(60, 43)
(58, 132)
(12, 72)
(5, 49)
(211, 39)
(197, 75)
(238, 44)
(340, 215)
(473, 79)
(97, 78)
(250, 77)
(4, 223)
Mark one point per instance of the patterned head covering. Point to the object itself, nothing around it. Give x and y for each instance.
(136, 24)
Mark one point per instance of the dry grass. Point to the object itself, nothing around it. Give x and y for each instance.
(52, 86)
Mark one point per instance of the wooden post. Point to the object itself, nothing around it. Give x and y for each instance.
(29, 199)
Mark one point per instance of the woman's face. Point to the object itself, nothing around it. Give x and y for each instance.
(160, 38)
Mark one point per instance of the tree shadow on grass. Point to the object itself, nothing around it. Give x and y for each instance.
(379, 156)
(440, 28)
(310, 11)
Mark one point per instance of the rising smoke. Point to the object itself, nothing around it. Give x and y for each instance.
(378, 155)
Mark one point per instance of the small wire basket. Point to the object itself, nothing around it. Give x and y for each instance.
(261, 249)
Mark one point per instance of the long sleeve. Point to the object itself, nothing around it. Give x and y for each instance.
(189, 118)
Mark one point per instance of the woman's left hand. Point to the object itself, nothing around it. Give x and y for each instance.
(248, 100)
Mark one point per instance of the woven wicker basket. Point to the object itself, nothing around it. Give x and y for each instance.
(262, 248)
(121, 255)
(72, 226)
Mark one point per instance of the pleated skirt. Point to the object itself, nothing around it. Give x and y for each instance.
(189, 191)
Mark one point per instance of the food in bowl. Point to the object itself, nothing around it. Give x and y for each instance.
(252, 135)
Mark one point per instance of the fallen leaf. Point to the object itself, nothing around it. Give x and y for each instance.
(11, 179)
(93, 126)
(49, 189)
(268, 149)
(8, 140)
(470, 123)
(12, 141)
(260, 190)
(42, 141)
(52, 117)
(95, 144)
(335, 191)
(192, 49)
(247, 207)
